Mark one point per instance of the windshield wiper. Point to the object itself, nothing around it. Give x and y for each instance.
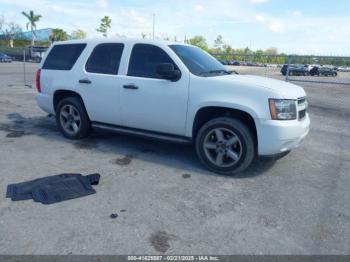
(216, 72)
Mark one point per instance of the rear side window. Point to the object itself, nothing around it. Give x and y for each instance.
(63, 57)
(105, 59)
(144, 60)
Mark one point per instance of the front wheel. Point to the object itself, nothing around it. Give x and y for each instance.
(225, 146)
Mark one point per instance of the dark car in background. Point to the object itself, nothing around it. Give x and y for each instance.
(295, 70)
(230, 62)
(5, 58)
(323, 71)
(235, 63)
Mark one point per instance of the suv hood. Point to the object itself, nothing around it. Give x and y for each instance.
(285, 89)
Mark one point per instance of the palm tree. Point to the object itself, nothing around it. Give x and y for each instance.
(32, 19)
(58, 34)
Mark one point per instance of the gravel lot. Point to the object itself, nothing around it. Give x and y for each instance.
(165, 200)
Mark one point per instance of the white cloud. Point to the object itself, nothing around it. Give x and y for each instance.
(297, 13)
(277, 27)
(260, 18)
(199, 8)
(102, 3)
(236, 20)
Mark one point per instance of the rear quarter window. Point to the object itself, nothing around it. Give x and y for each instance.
(105, 59)
(63, 57)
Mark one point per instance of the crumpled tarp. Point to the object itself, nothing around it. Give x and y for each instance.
(53, 189)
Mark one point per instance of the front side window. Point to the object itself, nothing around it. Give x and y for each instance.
(198, 62)
(144, 60)
(63, 57)
(105, 59)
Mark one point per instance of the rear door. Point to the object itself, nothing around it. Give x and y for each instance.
(100, 83)
(148, 101)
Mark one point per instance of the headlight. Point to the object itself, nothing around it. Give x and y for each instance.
(283, 109)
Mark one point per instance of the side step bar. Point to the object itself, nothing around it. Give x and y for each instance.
(143, 133)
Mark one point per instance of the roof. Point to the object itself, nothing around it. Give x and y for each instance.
(121, 40)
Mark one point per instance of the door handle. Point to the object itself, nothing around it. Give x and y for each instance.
(84, 81)
(131, 86)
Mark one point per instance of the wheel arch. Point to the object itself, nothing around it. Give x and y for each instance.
(206, 113)
(64, 93)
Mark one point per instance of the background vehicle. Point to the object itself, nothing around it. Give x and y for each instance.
(343, 69)
(5, 58)
(173, 92)
(295, 70)
(224, 62)
(37, 53)
(323, 71)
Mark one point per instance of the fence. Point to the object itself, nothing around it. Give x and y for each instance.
(325, 70)
(30, 54)
(23, 67)
(312, 69)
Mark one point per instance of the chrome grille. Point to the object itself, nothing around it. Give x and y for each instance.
(302, 107)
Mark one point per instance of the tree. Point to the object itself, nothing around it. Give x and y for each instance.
(218, 43)
(79, 34)
(32, 20)
(58, 34)
(199, 41)
(228, 50)
(271, 51)
(143, 35)
(104, 26)
(2, 22)
(11, 31)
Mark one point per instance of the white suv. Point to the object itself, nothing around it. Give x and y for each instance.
(171, 91)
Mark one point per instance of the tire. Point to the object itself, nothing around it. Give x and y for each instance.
(71, 110)
(243, 149)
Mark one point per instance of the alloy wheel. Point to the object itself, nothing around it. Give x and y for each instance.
(222, 147)
(70, 119)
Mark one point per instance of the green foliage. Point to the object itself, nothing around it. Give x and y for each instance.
(22, 43)
(58, 35)
(199, 41)
(104, 26)
(143, 35)
(79, 34)
(218, 43)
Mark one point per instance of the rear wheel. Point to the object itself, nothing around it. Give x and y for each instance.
(225, 146)
(72, 118)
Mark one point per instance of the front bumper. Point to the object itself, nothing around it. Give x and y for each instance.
(275, 137)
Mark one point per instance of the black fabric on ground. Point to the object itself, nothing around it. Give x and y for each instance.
(60, 190)
(94, 179)
(23, 191)
(54, 189)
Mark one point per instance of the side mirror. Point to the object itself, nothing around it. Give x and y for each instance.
(168, 71)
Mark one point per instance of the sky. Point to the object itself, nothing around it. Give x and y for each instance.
(319, 27)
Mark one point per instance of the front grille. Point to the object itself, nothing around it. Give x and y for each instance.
(302, 107)
(301, 100)
(302, 114)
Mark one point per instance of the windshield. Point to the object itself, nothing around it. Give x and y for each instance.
(199, 63)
